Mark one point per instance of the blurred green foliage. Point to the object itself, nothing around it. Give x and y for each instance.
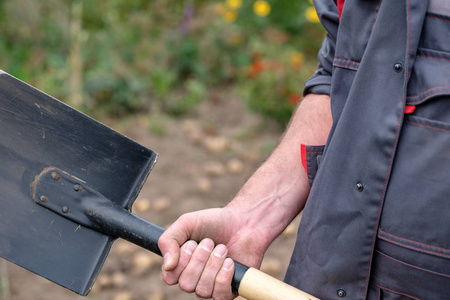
(122, 57)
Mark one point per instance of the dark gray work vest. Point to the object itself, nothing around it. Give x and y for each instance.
(378, 215)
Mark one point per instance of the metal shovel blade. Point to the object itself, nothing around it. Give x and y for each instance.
(38, 132)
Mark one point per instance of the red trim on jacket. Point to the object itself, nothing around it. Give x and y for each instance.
(303, 156)
(340, 5)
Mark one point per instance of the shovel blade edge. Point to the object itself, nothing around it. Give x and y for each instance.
(37, 132)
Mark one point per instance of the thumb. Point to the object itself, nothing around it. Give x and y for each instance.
(170, 249)
(170, 242)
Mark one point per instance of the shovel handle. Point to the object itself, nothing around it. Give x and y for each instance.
(248, 282)
(71, 198)
(257, 285)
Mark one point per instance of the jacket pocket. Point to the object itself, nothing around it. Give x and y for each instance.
(417, 203)
(430, 76)
(311, 157)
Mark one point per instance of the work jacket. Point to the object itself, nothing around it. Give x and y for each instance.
(377, 221)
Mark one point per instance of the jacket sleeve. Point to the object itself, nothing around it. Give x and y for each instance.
(320, 82)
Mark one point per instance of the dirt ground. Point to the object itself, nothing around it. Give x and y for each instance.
(204, 159)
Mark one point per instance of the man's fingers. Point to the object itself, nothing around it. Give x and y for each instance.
(222, 287)
(191, 274)
(171, 277)
(205, 286)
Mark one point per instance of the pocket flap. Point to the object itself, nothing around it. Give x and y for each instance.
(311, 156)
(430, 76)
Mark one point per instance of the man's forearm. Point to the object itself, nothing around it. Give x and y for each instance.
(278, 190)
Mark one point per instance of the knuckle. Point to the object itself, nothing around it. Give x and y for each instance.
(186, 286)
(203, 292)
(169, 280)
(222, 295)
(200, 258)
(185, 217)
(222, 281)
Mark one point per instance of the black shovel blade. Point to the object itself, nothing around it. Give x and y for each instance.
(38, 132)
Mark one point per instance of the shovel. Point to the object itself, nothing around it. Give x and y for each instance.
(67, 184)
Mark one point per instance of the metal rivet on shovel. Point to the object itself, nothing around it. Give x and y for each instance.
(43, 199)
(77, 188)
(55, 176)
(65, 209)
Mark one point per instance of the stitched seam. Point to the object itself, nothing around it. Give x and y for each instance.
(408, 240)
(375, 13)
(409, 39)
(347, 60)
(430, 89)
(394, 291)
(427, 97)
(433, 57)
(428, 126)
(345, 66)
(310, 171)
(413, 247)
(319, 147)
(436, 17)
(412, 266)
(310, 165)
(311, 174)
(382, 197)
(310, 160)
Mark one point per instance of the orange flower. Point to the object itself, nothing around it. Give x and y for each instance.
(257, 65)
(294, 98)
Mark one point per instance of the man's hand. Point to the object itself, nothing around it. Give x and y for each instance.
(204, 268)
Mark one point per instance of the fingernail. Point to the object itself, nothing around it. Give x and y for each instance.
(220, 250)
(227, 264)
(190, 247)
(167, 260)
(207, 245)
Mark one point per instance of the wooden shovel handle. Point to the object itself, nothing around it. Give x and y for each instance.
(257, 285)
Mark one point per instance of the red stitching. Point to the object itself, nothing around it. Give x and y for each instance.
(310, 168)
(377, 8)
(426, 98)
(394, 291)
(433, 57)
(382, 196)
(435, 17)
(345, 66)
(402, 238)
(409, 38)
(413, 247)
(352, 61)
(427, 90)
(428, 126)
(412, 266)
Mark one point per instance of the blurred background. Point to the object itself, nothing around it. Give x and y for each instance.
(209, 85)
